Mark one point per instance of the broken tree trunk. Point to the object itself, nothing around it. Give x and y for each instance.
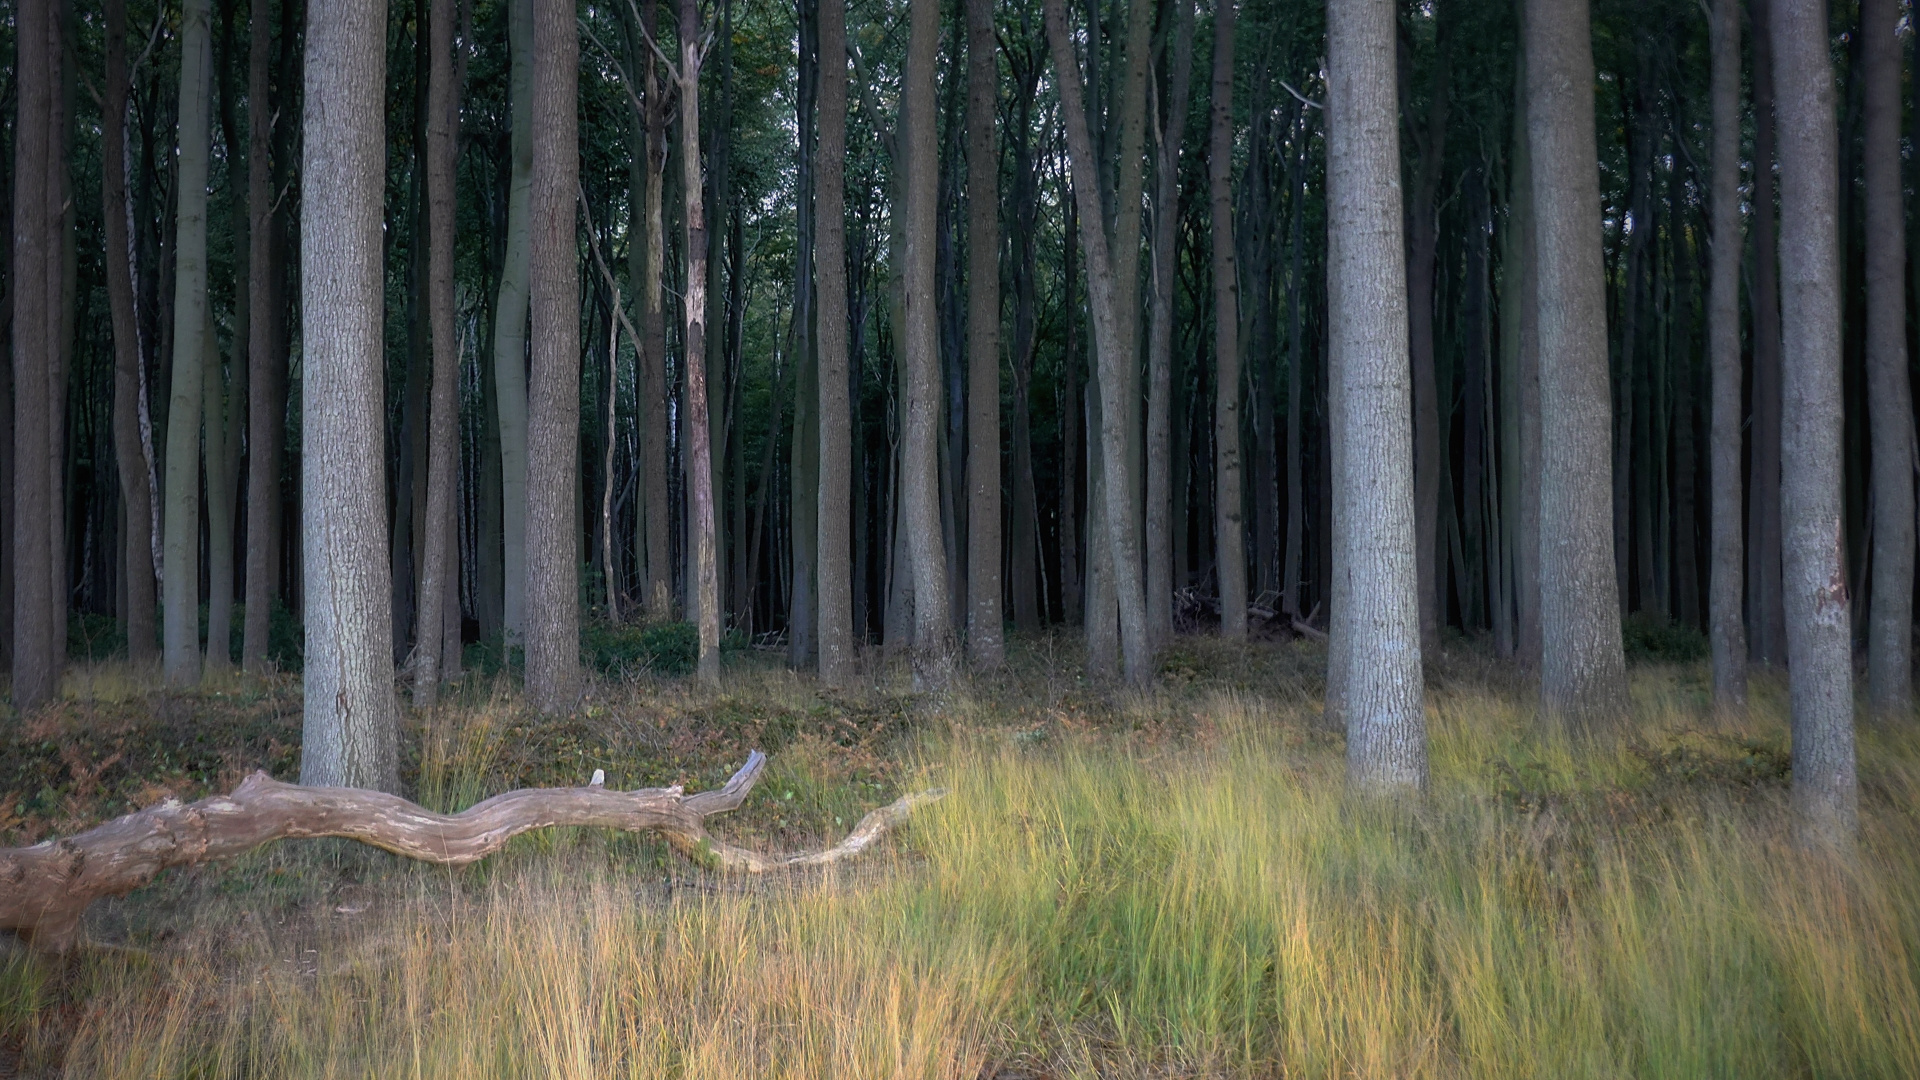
(46, 888)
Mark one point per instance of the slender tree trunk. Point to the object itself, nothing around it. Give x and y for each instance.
(182, 522)
(655, 546)
(838, 651)
(219, 509)
(1766, 613)
(1819, 647)
(803, 489)
(986, 647)
(128, 455)
(1685, 580)
(1025, 559)
(933, 658)
(1291, 560)
(36, 652)
(1889, 394)
(1230, 556)
(1429, 458)
(698, 452)
(1726, 579)
(510, 324)
(351, 732)
(62, 315)
(1166, 219)
(1583, 672)
(1371, 393)
(553, 414)
(266, 410)
(1068, 403)
(1123, 552)
(443, 421)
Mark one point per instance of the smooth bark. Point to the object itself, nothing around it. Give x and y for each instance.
(36, 652)
(704, 588)
(1727, 579)
(986, 644)
(833, 580)
(510, 324)
(1229, 544)
(443, 421)
(266, 409)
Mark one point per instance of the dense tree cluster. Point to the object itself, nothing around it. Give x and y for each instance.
(898, 327)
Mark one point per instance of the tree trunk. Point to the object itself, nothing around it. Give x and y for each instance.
(443, 421)
(1429, 456)
(219, 509)
(986, 647)
(1766, 614)
(553, 414)
(129, 456)
(1025, 558)
(1889, 394)
(1583, 668)
(266, 409)
(933, 627)
(1229, 553)
(36, 652)
(1520, 366)
(1111, 349)
(1367, 310)
(510, 325)
(803, 488)
(1067, 401)
(1819, 648)
(1292, 568)
(182, 522)
(351, 728)
(1726, 578)
(698, 453)
(1166, 219)
(838, 650)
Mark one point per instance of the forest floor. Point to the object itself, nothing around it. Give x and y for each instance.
(1118, 884)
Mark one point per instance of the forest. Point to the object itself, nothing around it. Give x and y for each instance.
(1231, 537)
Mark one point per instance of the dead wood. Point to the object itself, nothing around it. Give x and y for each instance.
(46, 888)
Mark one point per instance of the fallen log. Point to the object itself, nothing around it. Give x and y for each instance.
(46, 888)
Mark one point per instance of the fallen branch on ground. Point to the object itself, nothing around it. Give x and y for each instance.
(46, 888)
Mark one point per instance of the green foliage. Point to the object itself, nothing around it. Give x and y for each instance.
(1655, 640)
(668, 648)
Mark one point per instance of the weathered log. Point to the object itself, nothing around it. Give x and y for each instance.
(46, 888)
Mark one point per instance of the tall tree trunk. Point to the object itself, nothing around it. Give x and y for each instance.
(1067, 401)
(36, 652)
(649, 269)
(1583, 667)
(1111, 349)
(838, 650)
(1889, 394)
(933, 658)
(1633, 510)
(351, 736)
(266, 411)
(1520, 372)
(443, 421)
(553, 413)
(219, 508)
(698, 453)
(1025, 559)
(1766, 612)
(1819, 646)
(1229, 546)
(1683, 376)
(1726, 578)
(1367, 309)
(182, 568)
(128, 454)
(1291, 564)
(1429, 455)
(510, 324)
(803, 489)
(986, 646)
(1166, 218)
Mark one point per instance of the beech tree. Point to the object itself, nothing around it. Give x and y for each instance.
(266, 404)
(442, 557)
(1228, 538)
(986, 646)
(834, 548)
(1727, 580)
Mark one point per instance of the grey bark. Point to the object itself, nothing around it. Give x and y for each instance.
(1766, 614)
(1166, 215)
(933, 659)
(1583, 684)
(1111, 349)
(553, 405)
(1726, 580)
(1819, 648)
(36, 652)
(351, 723)
(443, 421)
(704, 589)
(181, 568)
(219, 488)
(265, 409)
(986, 646)
(1889, 393)
(835, 587)
(1229, 545)
(510, 324)
(1372, 394)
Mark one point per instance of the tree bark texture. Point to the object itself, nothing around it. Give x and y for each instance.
(1889, 392)
(1372, 394)
(36, 652)
(553, 412)
(443, 419)
(510, 325)
(1229, 544)
(833, 548)
(1583, 665)
(1819, 646)
(266, 409)
(986, 645)
(698, 453)
(1727, 578)
(351, 728)
(181, 570)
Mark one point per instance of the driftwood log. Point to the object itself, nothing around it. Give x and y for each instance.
(46, 888)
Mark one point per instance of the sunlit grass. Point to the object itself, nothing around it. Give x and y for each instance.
(1108, 899)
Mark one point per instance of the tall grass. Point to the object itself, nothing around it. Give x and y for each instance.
(1097, 904)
